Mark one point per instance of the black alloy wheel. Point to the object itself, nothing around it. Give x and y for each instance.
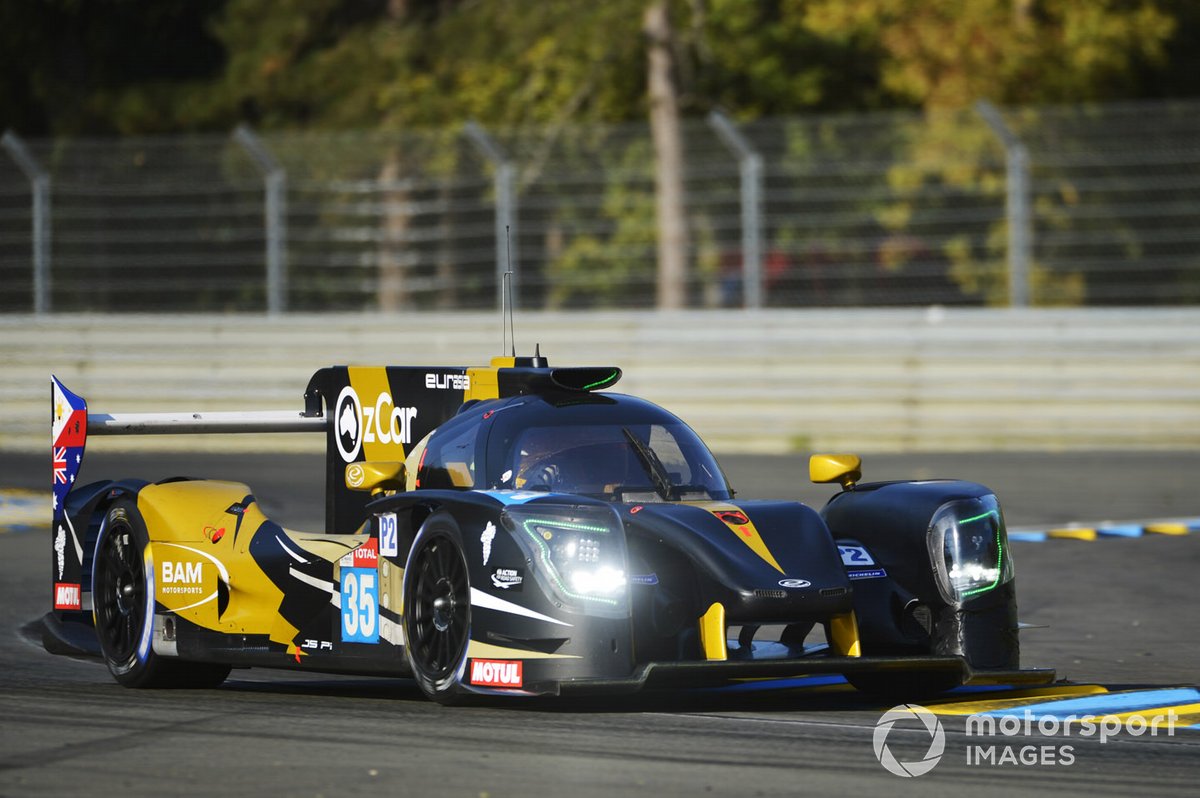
(437, 610)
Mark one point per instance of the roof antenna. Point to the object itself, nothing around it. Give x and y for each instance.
(508, 333)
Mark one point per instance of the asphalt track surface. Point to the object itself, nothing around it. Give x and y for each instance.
(1122, 615)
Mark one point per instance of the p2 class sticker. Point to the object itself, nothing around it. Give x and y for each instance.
(853, 556)
(389, 545)
(869, 573)
(497, 673)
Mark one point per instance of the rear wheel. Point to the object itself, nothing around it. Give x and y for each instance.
(437, 609)
(123, 611)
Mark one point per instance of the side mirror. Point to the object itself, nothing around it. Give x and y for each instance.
(376, 477)
(843, 468)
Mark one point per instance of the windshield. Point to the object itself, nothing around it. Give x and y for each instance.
(613, 452)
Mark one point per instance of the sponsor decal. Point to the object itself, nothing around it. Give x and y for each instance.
(497, 673)
(60, 550)
(214, 534)
(448, 382)
(317, 645)
(508, 579)
(870, 573)
(366, 555)
(489, 534)
(237, 508)
(182, 577)
(381, 422)
(644, 579)
(360, 605)
(794, 583)
(355, 476)
(854, 555)
(389, 544)
(635, 510)
(67, 596)
(347, 412)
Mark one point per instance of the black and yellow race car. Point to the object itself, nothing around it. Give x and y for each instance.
(517, 530)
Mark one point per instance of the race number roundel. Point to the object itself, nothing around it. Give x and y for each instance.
(347, 424)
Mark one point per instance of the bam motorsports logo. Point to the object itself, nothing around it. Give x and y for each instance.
(909, 739)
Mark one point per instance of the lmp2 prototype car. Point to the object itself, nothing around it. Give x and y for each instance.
(513, 530)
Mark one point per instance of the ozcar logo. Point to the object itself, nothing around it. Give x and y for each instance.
(933, 754)
(382, 422)
(346, 415)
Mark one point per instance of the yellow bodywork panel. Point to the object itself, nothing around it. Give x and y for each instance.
(485, 380)
(376, 477)
(198, 550)
(712, 633)
(843, 635)
(843, 468)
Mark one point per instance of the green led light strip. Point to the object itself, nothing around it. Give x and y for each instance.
(999, 555)
(527, 524)
(599, 383)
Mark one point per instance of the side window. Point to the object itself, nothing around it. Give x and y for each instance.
(449, 460)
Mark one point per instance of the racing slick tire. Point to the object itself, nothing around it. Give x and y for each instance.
(437, 610)
(123, 609)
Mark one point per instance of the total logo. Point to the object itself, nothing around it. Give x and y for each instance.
(381, 422)
(497, 673)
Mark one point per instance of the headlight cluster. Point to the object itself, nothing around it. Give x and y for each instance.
(578, 554)
(968, 545)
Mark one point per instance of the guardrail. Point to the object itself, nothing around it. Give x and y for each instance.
(766, 381)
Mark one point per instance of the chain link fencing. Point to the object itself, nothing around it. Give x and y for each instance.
(1063, 206)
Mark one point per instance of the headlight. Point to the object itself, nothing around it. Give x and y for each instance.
(578, 555)
(968, 546)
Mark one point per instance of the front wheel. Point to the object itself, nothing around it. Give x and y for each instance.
(437, 609)
(123, 602)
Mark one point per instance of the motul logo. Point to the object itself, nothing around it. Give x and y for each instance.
(66, 597)
(496, 673)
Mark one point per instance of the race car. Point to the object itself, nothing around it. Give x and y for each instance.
(520, 530)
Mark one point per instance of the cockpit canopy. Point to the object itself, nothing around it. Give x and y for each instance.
(608, 446)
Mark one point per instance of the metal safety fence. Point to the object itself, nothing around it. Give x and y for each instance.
(1064, 206)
